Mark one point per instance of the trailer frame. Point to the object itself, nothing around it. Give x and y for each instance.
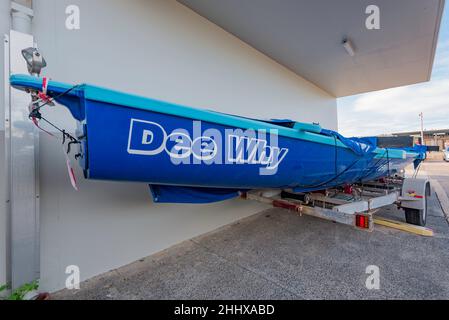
(356, 204)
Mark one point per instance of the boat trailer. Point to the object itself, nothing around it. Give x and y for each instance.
(356, 204)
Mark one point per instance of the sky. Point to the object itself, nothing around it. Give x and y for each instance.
(366, 114)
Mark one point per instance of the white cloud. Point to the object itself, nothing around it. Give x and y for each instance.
(395, 110)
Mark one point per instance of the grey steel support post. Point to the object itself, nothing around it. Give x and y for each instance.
(22, 160)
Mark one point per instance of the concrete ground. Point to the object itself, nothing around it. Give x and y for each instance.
(438, 170)
(278, 255)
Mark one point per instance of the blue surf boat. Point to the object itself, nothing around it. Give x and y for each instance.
(193, 155)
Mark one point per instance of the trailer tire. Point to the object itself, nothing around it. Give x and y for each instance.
(415, 216)
(418, 216)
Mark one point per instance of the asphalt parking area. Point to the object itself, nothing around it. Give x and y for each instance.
(278, 255)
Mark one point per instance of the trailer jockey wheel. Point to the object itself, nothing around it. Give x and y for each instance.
(416, 216)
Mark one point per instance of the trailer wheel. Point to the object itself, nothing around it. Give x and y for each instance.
(415, 216)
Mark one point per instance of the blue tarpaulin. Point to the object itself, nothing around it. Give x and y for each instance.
(229, 152)
(360, 146)
(179, 194)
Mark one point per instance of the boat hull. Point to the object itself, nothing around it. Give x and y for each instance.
(135, 145)
(131, 138)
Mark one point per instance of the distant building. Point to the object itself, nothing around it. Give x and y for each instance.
(438, 138)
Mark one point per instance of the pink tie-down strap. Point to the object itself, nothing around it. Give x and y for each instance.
(70, 170)
(46, 99)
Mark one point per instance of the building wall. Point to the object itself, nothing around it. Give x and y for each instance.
(441, 141)
(163, 50)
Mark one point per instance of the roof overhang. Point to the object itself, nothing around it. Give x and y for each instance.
(306, 36)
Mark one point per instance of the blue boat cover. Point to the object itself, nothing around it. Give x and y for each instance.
(359, 146)
(366, 140)
(140, 128)
(421, 150)
(179, 194)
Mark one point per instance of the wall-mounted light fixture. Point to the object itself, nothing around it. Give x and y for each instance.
(347, 44)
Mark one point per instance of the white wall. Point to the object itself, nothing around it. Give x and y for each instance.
(163, 50)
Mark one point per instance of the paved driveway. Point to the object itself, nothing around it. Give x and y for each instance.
(278, 255)
(438, 170)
